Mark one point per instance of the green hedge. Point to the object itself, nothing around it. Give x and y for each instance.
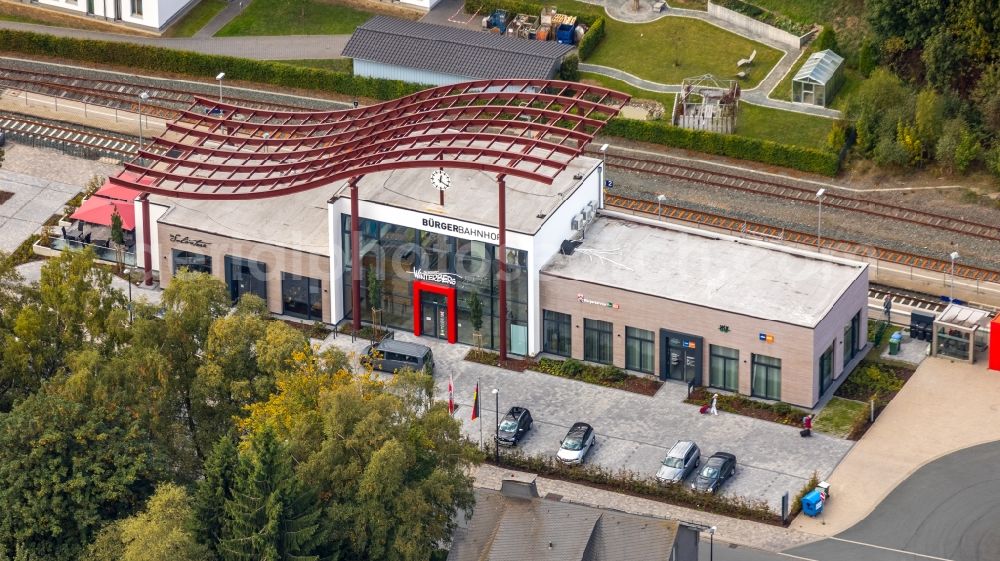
(486, 7)
(592, 38)
(144, 57)
(734, 146)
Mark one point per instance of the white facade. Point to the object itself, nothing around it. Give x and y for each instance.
(153, 14)
(370, 69)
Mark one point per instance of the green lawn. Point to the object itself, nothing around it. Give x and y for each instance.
(671, 49)
(667, 99)
(813, 11)
(297, 17)
(332, 64)
(783, 126)
(838, 416)
(196, 18)
(23, 19)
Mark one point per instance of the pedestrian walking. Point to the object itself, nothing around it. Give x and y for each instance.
(715, 404)
(807, 426)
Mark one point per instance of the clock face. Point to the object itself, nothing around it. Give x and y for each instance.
(440, 180)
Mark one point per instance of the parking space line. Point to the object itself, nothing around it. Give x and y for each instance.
(901, 551)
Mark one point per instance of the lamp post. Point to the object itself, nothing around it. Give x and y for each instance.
(128, 271)
(819, 219)
(219, 78)
(659, 201)
(711, 543)
(496, 441)
(142, 97)
(951, 292)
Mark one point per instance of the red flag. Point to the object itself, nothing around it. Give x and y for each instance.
(451, 396)
(475, 403)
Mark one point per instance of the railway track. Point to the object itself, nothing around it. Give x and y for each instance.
(76, 140)
(742, 227)
(804, 195)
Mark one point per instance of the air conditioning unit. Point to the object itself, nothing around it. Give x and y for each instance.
(578, 222)
(589, 214)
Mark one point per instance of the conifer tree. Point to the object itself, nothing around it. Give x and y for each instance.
(212, 493)
(270, 516)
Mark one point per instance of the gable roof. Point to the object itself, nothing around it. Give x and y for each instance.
(819, 67)
(450, 50)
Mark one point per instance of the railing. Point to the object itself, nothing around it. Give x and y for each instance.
(103, 253)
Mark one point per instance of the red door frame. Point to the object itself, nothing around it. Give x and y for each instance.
(446, 291)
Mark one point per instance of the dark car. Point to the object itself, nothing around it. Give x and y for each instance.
(716, 471)
(514, 425)
(579, 440)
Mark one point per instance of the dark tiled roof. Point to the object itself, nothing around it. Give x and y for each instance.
(450, 50)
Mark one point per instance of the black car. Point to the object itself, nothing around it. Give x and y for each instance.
(513, 426)
(716, 471)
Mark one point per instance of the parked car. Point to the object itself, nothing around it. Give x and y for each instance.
(681, 460)
(579, 440)
(513, 426)
(716, 471)
(396, 355)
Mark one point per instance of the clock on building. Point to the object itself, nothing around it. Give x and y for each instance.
(440, 180)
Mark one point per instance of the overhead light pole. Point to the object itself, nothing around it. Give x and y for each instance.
(951, 293)
(142, 97)
(496, 441)
(219, 78)
(819, 220)
(659, 203)
(711, 543)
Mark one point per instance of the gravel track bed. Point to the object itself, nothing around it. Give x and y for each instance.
(846, 225)
(194, 87)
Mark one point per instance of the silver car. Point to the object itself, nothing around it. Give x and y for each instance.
(681, 460)
(579, 440)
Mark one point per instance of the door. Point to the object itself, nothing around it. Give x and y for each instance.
(680, 357)
(118, 10)
(90, 7)
(246, 276)
(434, 315)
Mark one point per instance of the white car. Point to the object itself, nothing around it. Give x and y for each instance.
(579, 440)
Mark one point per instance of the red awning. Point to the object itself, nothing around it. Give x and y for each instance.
(110, 191)
(98, 210)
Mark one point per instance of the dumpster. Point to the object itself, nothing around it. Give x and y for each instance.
(812, 503)
(894, 341)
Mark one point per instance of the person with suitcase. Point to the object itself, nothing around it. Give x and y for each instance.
(807, 424)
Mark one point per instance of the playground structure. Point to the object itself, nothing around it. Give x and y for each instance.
(707, 103)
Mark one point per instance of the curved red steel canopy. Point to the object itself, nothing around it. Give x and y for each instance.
(524, 128)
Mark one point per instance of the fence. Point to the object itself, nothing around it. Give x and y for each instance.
(103, 253)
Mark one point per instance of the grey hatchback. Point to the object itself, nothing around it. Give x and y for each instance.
(681, 460)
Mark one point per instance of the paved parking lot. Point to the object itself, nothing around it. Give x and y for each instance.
(633, 431)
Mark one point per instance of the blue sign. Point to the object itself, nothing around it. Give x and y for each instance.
(609, 183)
(763, 336)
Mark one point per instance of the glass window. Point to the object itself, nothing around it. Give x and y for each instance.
(851, 338)
(301, 297)
(136, 7)
(639, 349)
(765, 377)
(825, 370)
(724, 368)
(246, 276)
(597, 341)
(195, 262)
(557, 334)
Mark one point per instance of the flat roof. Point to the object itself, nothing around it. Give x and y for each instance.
(747, 277)
(963, 317)
(472, 196)
(298, 221)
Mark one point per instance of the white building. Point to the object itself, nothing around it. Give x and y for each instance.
(155, 15)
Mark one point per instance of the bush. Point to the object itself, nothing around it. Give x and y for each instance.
(993, 159)
(869, 381)
(734, 146)
(570, 69)
(145, 57)
(592, 38)
(571, 368)
(827, 39)
(796, 507)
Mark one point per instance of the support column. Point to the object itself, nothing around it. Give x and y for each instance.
(147, 242)
(355, 256)
(502, 265)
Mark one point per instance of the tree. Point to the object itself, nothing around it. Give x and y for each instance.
(879, 105)
(827, 39)
(569, 70)
(65, 470)
(212, 492)
(118, 238)
(270, 517)
(986, 97)
(159, 533)
(930, 117)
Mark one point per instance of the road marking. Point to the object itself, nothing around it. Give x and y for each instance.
(901, 551)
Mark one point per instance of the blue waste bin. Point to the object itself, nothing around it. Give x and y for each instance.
(812, 503)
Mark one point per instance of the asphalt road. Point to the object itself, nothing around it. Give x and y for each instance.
(947, 510)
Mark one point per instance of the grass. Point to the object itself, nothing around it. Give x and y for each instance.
(839, 416)
(331, 64)
(671, 49)
(667, 99)
(782, 126)
(812, 11)
(298, 17)
(196, 18)
(23, 19)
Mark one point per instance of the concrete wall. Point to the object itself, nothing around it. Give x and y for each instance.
(831, 327)
(278, 260)
(792, 344)
(750, 25)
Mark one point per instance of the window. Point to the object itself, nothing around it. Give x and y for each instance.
(556, 333)
(826, 370)
(246, 276)
(195, 262)
(136, 7)
(301, 297)
(724, 365)
(765, 377)
(597, 337)
(851, 338)
(639, 349)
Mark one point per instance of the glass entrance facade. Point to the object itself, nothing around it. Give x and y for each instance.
(398, 254)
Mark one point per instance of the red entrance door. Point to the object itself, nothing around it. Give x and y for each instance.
(433, 314)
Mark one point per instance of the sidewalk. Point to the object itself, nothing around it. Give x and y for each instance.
(233, 8)
(946, 406)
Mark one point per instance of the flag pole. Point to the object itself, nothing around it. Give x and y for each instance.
(481, 447)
